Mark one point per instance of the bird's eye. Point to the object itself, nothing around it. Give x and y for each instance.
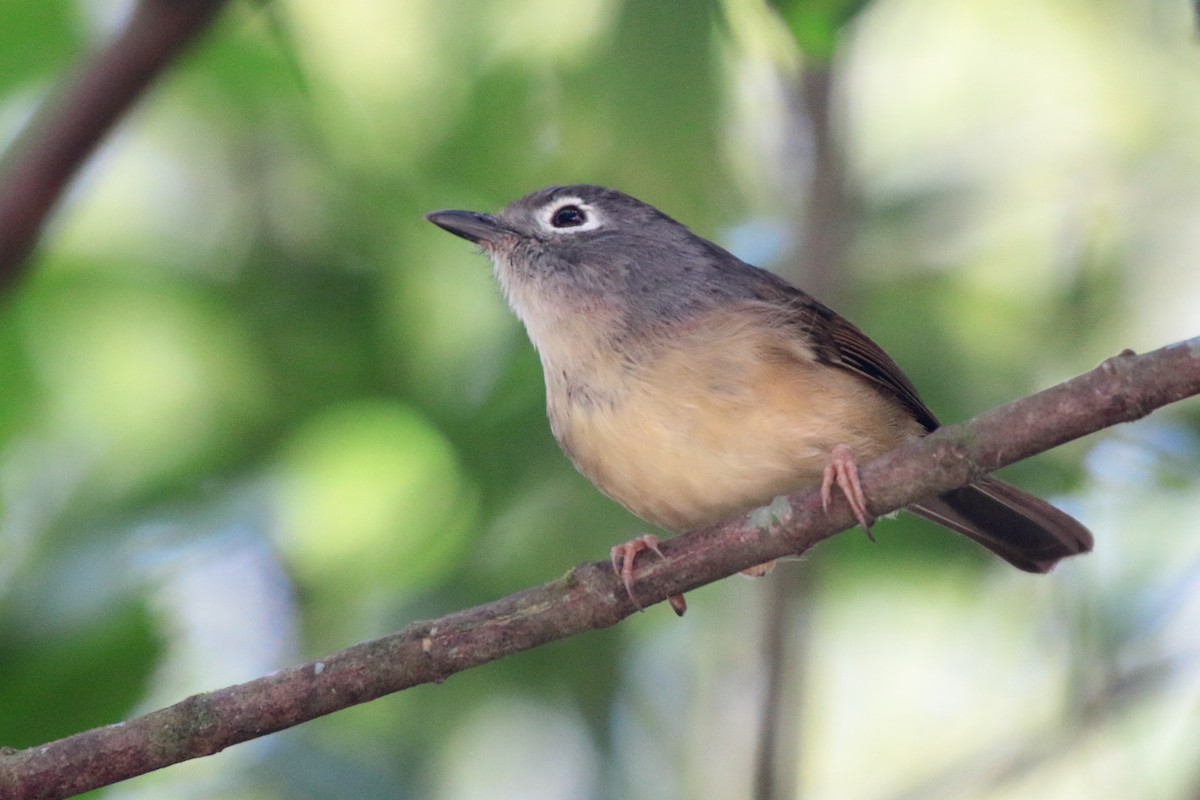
(568, 217)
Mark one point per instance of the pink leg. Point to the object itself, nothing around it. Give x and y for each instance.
(843, 470)
(623, 556)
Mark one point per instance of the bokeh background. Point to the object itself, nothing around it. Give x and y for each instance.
(254, 409)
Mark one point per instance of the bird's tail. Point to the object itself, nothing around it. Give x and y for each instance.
(1026, 532)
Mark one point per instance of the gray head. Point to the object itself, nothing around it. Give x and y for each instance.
(567, 254)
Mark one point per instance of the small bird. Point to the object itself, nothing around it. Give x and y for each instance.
(691, 387)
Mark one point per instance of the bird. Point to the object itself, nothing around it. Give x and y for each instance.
(691, 387)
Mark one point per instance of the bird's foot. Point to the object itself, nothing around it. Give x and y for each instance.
(623, 556)
(842, 470)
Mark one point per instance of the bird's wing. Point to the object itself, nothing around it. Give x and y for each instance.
(837, 342)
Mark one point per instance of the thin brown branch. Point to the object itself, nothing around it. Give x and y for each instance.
(1121, 389)
(70, 124)
(829, 219)
(830, 208)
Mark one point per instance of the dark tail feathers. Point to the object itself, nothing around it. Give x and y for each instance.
(1026, 532)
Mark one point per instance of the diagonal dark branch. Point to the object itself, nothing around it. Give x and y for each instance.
(76, 117)
(1121, 389)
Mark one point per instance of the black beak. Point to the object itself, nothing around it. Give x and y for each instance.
(470, 225)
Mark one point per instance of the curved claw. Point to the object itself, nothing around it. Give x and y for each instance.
(842, 470)
(623, 556)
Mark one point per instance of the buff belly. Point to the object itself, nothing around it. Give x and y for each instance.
(693, 439)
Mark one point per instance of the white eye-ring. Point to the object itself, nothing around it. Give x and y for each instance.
(569, 215)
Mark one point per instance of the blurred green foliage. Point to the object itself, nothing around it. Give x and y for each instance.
(255, 409)
(818, 24)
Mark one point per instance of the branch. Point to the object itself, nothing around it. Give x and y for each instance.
(1122, 389)
(72, 121)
